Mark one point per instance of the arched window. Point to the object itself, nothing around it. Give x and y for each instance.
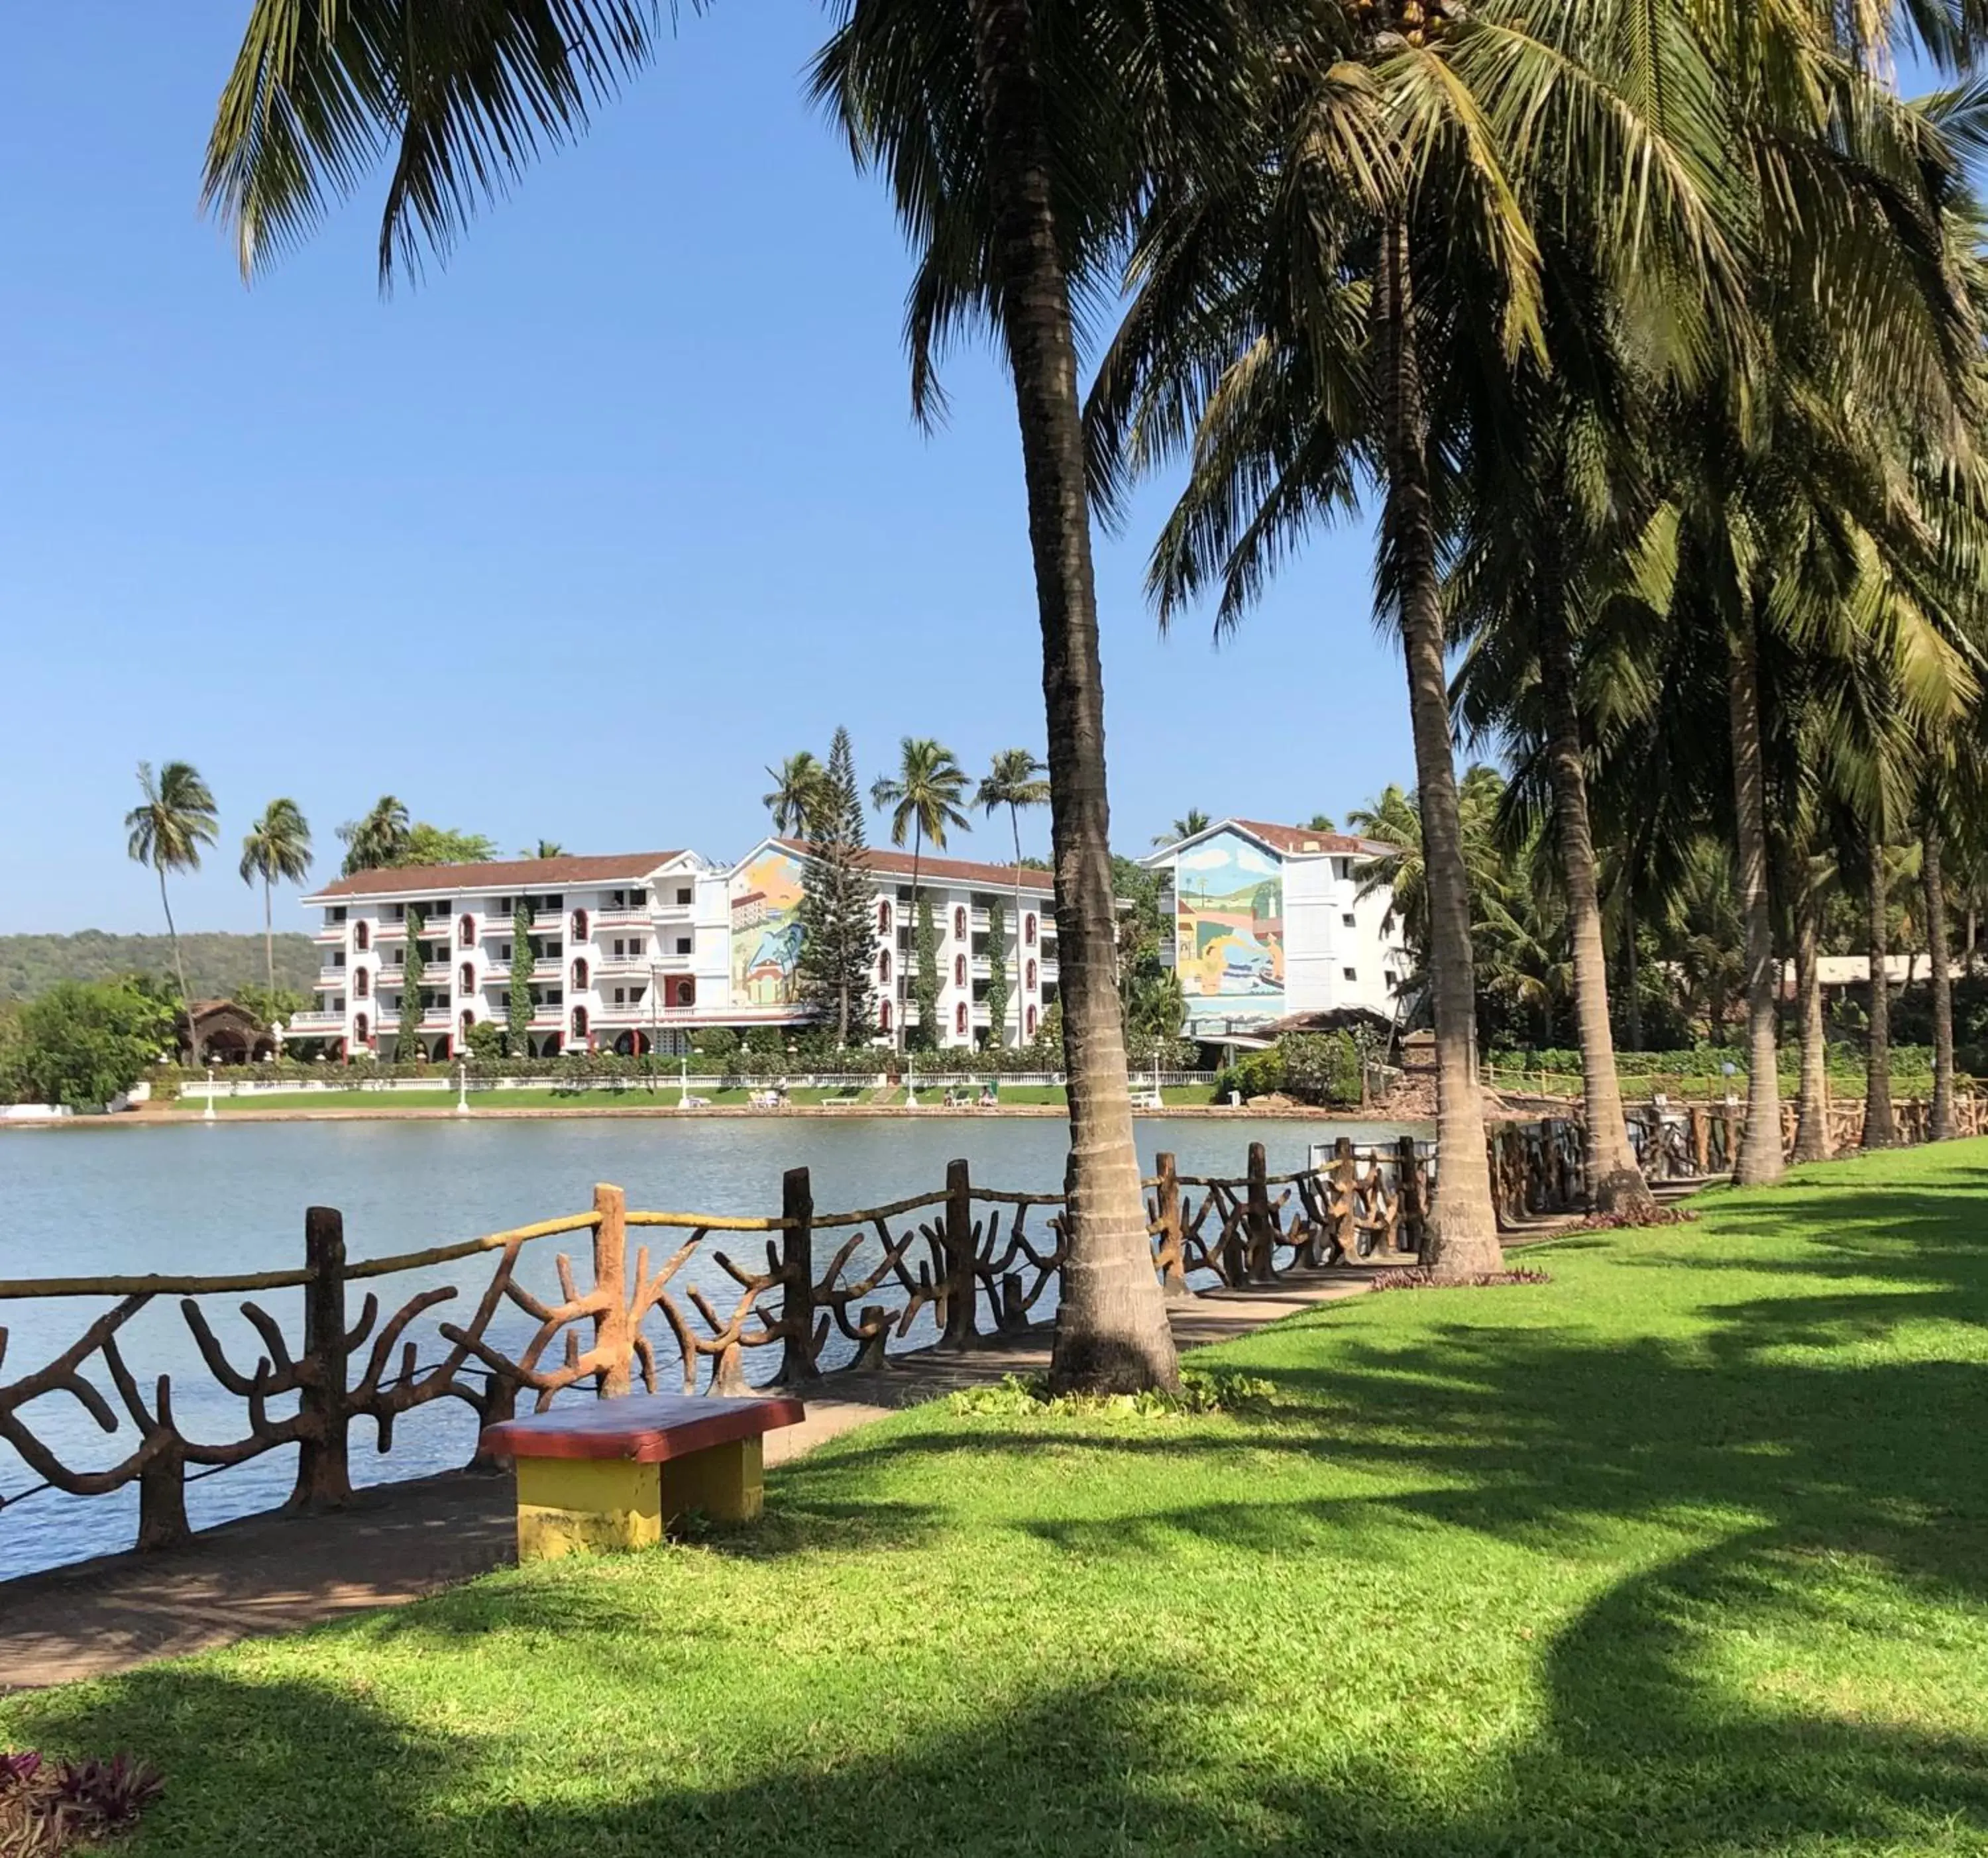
(959, 1019)
(883, 968)
(468, 978)
(580, 1022)
(580, 925)
(1031, 981)
(883, 1016)
(580, 977)
(687, 992)
(362, 936)
(465, 932)
(1031, 1022)
(361, 1028)
(361, 983)
(468, 1020)
(1029, 929)
(959, 922)
(959, 970)
(883, 917)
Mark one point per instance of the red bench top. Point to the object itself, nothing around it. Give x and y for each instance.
(647, 1428)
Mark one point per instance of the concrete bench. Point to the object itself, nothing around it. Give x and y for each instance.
(616, 1473)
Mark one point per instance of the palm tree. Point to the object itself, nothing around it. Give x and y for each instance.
(546, 848)
(278, 845)
(380, 840)
(176, 818)
(799, 786)
(922, 798)
(1196, 821)
(1013, 781)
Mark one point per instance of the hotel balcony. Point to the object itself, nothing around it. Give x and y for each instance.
(313, 1025)
(334, 933)
(622, 916)
(330, 977)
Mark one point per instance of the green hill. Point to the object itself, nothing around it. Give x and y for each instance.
(216, 964)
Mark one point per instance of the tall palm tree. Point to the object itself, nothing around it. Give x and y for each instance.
(800, 788)
(923, 798)
(546, 848)
(1196, 821)
(167, 830)
(380, 840)
(1018, 136)
(1014, 781)
(277, 846)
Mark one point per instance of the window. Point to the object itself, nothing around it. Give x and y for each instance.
(635, 948)
(687, 994)
(505, 906)
(883, 917)
(1030, 983)
(503, 951)
(959, 1019)
(468, 1020)
(580, 925)
(635, 995)
(362, 936)
(1350, 920)
(1388, 975)
(683, 897)
(1352, 973)
(1029, 929)
(580, 977)
(883, 1016)
(465, 932)
(336, 916)
(621, 996)
(361, 1028)
(1031, 1022)
(959, 923)
(683, 944)
(468, 978)
(580, 1022)
(959, 970)
(361, 982)
(638, 898)
(338, 957)
(883, 967)
(617, 945)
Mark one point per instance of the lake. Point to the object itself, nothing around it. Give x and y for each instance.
(201, 1198)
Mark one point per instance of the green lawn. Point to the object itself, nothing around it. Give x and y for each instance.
(664, 1095)
(1685, 1552)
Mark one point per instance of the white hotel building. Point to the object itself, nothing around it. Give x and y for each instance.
(636, 952)
(1271, 921)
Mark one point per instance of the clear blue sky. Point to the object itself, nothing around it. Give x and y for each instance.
(571, 539)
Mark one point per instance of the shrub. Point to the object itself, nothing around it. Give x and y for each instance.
(51, 1807)
(1321, 1067)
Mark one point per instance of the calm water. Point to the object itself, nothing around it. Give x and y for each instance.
(206, 1199)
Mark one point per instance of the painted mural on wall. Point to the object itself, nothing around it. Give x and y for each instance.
(765, 931)
(1229, 921)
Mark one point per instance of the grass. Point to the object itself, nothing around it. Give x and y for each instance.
(665, 1095)
(1683, 1553)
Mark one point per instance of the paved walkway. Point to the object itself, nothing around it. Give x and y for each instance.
(272, 1573)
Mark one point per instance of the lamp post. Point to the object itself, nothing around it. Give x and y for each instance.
(462, 1089)
(208, 1116)
(911, 1079)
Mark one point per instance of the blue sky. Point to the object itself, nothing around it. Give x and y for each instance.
(573, 539)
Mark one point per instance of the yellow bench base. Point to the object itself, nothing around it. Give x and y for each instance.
(569, 1505)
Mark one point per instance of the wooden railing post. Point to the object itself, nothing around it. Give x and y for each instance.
(797, 1362)
(962, 1284)
(1345, 1184)
(1167, 1252)
(613, 1339)
(1262, 1251)
(324, 1476)
(1410, 1194)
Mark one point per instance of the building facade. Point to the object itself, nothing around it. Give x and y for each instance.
(637, 952)
(1270, 921)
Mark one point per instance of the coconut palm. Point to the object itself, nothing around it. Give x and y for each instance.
(167, 830)
(1014, 781)
(923, 798)
(277, 846)
(799, 788)
(1196, 821)
(546, 848)
(380, 840)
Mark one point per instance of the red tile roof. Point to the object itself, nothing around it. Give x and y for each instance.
(1302, 839)
(945, 871)
(532, 874)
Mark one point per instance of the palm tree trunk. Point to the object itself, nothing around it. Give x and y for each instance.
(1942, 1126)
(1462, 1234)
(1880, 1130)
(1021, 1003)
(269, 937)
(1112, 1332)
(179, 964)
(1812, 1113)
(1615, 1183)
(1761, 1161)
(915, 992)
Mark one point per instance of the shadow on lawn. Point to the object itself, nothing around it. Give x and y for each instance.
(1865, 1466)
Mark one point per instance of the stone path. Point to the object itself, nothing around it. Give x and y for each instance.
(272, 1573)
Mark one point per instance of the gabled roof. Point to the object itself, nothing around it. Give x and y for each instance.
(1286, 841)
(939, 870)
(512, 874)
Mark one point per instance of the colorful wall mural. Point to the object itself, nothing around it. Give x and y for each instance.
(765, 931)
(1229, 922)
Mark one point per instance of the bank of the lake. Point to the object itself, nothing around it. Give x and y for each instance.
(167, 1193)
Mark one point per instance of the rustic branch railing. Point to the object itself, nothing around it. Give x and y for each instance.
(926, 1266)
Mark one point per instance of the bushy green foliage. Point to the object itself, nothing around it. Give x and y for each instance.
(83, 1042)
(407, 1044)
(520, 1019)
(486, 1041)
(1321, 1067)
(218, 966)
(838, 938)
(997, 972)
(924, 1035)
(1202, 1390)
(1259, 1074)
